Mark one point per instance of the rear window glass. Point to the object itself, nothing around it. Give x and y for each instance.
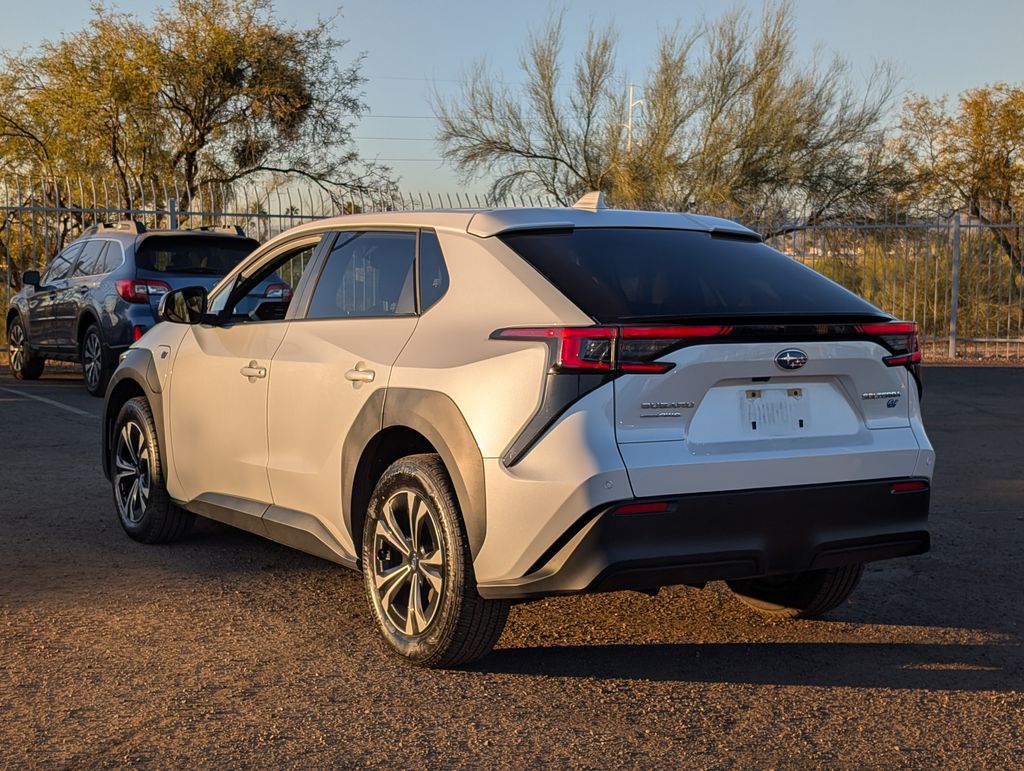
(198, 255)
(626, 274)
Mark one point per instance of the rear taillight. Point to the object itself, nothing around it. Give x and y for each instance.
(139, 290)
(279, 291)
(915, 486)
(612, 349)
(900, 337)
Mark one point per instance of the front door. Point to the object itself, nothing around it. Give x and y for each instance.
(217, 403)
(43, 303)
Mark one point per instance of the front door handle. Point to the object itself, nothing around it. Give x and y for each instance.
(359, 374)
(253, 371)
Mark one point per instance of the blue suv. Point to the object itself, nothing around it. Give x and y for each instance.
(103, 291)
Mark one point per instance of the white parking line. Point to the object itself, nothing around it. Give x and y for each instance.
(51, 402)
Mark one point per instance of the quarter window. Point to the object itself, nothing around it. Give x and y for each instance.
(367, 274)
(433, 272)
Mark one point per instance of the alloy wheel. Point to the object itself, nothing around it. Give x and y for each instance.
(16, 339)
(132, 472)
(408, 562)
(92, 359)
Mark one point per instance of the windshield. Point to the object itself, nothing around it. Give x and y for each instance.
(190, 254)
(631, 274)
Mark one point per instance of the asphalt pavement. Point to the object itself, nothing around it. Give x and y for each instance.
(229, 650)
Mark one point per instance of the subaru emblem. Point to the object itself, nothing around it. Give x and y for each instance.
(791, 358)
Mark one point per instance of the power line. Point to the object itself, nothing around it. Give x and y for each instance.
(410, 117)
(397, 139)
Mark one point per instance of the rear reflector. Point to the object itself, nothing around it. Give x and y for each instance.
(612, 349)
(138, 332)
(653, 507)
(909, 487)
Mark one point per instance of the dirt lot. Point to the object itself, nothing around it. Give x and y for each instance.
(227, 650)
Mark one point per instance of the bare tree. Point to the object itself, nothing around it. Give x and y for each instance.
(730, 119)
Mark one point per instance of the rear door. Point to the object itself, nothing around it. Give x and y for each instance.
(334, 361)
(75, 297)
(761, 372)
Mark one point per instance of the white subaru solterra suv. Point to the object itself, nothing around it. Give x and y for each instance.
(481, 407)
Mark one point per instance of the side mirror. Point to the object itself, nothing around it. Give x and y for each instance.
(30, 278)
(183, 306)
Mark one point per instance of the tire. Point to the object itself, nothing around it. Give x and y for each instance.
(799, 595)
(450, 624)
(143, 506)
(24, 365)
(97, 363)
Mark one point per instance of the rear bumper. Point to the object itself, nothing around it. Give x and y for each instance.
(738, 534)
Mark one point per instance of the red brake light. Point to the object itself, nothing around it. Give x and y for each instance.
(900, 337)
(909, 487)
(280, 291)
(139, 290)
(612, 349)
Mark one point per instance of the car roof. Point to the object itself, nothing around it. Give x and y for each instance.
(485, 223)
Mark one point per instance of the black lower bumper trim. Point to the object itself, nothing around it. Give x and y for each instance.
(739, 534)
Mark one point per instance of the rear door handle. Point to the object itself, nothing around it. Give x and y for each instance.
(253, 371)
(360, 375)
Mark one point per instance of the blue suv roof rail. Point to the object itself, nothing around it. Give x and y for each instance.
(234, 230)
(125, 226)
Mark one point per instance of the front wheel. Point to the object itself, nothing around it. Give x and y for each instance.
(24, 366)
(799, 595)
(97, 363)
(418, 571)
(144, 508)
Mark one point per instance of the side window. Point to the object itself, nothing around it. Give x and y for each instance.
(433, 272)
(367, 274)
(266, 295)
(60, 265)
(91, 261)
(113, 258)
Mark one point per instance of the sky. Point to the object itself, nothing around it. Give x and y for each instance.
(414, 48)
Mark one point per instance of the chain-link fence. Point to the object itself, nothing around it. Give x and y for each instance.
(960, 278)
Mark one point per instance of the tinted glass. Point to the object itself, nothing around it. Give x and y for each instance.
(622, 274)
(60, 266)
(433, 272)
(92, 256)
(196, 255)
(113, 258)
(367, 274)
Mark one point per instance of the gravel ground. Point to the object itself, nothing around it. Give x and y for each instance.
(227, 650)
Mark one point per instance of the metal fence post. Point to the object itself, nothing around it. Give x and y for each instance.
(172, 213)
(954, 289)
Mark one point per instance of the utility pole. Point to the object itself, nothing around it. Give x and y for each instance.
(633, 104)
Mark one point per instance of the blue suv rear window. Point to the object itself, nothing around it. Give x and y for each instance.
(196, 255)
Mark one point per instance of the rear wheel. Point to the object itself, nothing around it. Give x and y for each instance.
(418, 571)
(24, 365)
(799, 595)
(97, 364)
(144, 508)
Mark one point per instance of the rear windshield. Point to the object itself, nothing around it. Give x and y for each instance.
(198, 255)
(630, 274)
